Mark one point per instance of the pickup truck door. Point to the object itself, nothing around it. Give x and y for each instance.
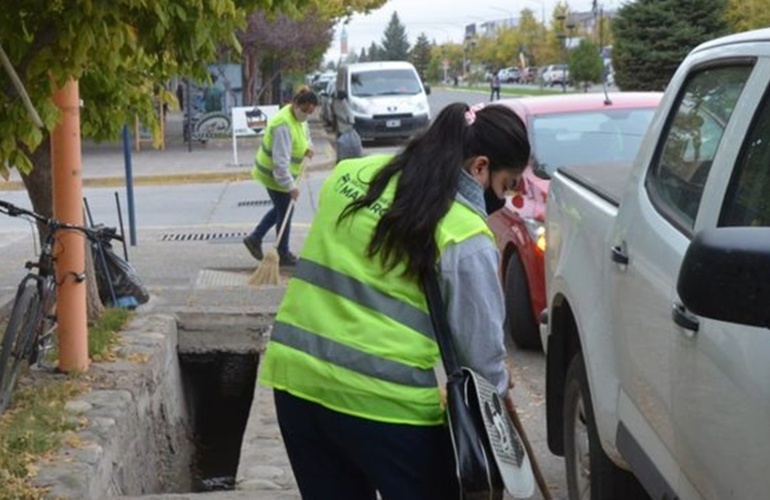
(721, 387)
(654, 225)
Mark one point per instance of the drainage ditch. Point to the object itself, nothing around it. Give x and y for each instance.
(219, 357)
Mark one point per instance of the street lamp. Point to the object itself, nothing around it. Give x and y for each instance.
(564, 40)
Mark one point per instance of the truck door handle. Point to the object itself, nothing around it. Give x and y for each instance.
(619, 254)
(684, 318)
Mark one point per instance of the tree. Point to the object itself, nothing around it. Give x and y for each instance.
(273, 44)
(652, 37)
(362, 55)
(395, 44)
(585, 64)
(744, 15)
(420, 55)
(376, 53)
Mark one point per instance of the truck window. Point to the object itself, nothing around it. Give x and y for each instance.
(676, 179)
(747, 202)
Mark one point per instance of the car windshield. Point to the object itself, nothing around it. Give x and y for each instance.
(384, 82)
(587, 138)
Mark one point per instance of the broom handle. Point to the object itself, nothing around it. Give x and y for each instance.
(527, 446)
(286, 217)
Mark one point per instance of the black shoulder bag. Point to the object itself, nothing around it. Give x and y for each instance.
(488, 451)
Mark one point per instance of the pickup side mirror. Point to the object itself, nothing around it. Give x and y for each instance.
(342, 95)
(725, 275)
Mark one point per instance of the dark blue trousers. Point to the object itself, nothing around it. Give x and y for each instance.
(336, 456)
(274, 217)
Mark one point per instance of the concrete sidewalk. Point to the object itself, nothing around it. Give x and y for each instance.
(217, 160)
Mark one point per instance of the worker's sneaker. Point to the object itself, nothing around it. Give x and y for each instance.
(287, 259)
(254, 247)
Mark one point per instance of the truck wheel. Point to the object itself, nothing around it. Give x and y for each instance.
(591, 475)
(519, 319)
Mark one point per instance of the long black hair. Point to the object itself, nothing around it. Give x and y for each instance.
(428, 170)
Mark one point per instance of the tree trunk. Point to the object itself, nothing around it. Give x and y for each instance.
(39, 185)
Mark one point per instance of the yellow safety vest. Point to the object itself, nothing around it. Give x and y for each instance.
(349, 335)
(263, 163)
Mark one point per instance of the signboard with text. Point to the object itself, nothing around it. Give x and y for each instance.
(251, 120)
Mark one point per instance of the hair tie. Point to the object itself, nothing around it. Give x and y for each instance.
(470, 115)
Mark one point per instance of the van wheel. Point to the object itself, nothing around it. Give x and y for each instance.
(591, 475)
(519, 319)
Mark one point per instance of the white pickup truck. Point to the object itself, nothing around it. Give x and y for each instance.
(658, 284)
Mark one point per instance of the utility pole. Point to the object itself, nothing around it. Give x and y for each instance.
(67, 177)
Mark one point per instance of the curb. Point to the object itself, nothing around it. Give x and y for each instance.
(171, 179)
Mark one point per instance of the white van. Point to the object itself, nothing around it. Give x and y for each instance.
(381, 100)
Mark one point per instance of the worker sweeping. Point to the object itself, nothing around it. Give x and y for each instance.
(352, 351)
(277, 166)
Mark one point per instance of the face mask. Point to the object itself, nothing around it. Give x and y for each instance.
(492, 202)
(301, 115)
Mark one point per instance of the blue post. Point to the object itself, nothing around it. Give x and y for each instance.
(129, 185)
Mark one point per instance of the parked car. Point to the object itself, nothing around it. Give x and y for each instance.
(509, 75)
(592, 130)
(556, 74)
(325, 100)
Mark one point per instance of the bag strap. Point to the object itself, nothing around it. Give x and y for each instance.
(441, 326)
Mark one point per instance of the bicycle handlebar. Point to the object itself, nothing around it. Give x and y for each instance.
(93, 234)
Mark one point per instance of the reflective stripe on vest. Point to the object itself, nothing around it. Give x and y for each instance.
(350, 358)
(269, 152)
(352, 289)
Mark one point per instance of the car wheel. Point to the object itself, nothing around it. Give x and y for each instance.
(591, 475)
(519, 321)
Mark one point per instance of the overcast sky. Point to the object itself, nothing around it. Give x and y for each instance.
(442, 20)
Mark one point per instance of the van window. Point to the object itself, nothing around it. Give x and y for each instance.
(384, 82)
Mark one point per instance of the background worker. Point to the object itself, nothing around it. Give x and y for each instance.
(278, 163)
(352, 351)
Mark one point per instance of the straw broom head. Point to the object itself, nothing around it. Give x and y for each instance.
(267, 271)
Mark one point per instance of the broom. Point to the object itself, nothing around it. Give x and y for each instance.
(267, 271)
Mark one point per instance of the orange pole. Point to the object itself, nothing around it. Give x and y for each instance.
(66, 163)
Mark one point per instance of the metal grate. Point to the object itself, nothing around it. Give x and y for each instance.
(202, 236)
(254, 203)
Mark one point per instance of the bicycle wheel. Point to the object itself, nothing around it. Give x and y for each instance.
(18, 336)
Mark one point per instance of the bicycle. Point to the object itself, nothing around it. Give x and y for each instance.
(29, 334)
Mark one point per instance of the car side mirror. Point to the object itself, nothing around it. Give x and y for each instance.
(427, 88)
(725, 275)
(342, 95)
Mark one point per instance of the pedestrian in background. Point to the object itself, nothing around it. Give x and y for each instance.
(352, 353)
(278, 163)
(494, 84)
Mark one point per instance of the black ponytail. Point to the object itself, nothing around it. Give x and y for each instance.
(428, 170)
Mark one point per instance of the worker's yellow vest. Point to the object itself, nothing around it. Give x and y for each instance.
(263, 163)
(349, 335)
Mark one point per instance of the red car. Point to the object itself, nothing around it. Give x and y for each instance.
(564, 130)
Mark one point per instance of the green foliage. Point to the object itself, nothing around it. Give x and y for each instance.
(652, 37)
(585, 63)
(395, 44)
(420, 55)
(744, 15)
(120, 51)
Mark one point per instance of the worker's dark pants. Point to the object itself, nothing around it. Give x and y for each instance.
(336, 456)
(274, 217)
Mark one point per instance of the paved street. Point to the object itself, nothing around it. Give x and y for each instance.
(192, 209)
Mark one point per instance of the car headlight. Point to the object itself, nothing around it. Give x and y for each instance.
(422, 106)
(536, 231)
(358, 106)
